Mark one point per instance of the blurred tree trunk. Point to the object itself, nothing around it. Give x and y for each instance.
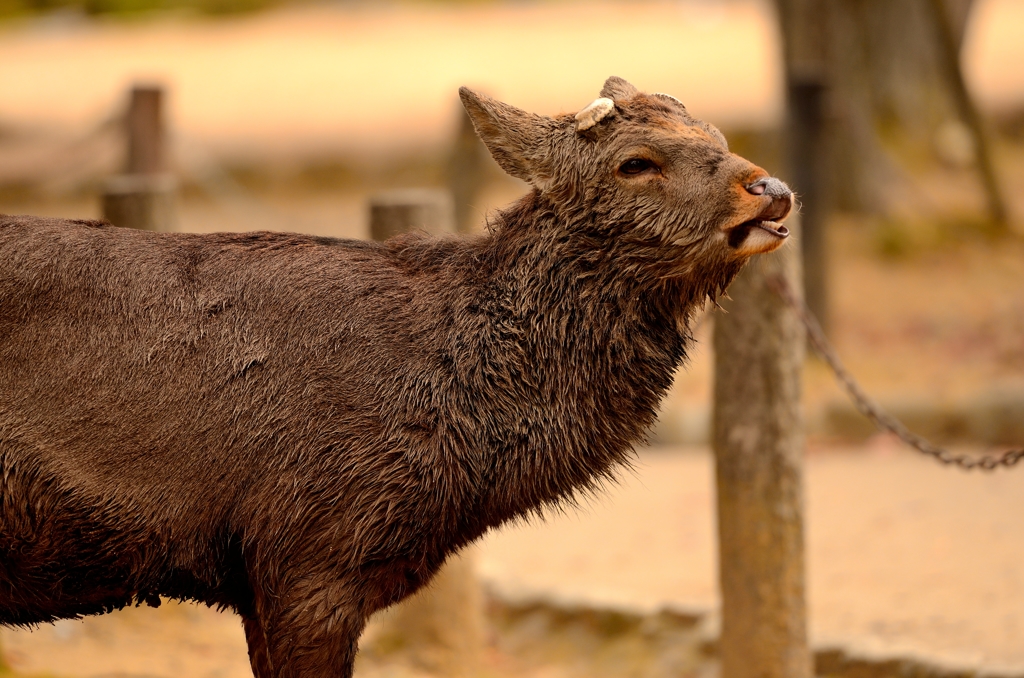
(950, 40)
(885, 65)
(861, 75)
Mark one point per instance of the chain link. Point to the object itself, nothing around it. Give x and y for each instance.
(868, 407)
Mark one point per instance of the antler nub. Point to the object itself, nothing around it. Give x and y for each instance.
(594, 113)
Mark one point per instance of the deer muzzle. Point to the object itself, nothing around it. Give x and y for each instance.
(764, 232)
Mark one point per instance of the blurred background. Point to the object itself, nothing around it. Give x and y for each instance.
(900, 123)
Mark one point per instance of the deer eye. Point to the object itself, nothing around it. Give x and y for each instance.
(638, 166)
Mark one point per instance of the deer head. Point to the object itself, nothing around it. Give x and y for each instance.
(638, 166)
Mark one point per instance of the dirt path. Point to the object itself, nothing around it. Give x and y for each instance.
(904, 556)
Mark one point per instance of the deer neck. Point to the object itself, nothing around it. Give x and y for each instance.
(579, 349)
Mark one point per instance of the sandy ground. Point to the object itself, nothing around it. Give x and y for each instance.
(905, 558)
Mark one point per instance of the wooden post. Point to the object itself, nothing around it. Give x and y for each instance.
(144, 201)
(144, 196)
(145, 127)
(758, 445)
(440, 629)
(410, 209)
(466, 168)
(807, 167)
(805, 32)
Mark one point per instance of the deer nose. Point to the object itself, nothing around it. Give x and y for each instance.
(781, 198)
(769, 186)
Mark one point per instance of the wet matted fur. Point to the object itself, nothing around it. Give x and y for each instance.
(302, 429)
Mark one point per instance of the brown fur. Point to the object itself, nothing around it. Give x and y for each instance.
(302, 429)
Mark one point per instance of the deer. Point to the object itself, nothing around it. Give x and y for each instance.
(302, 429)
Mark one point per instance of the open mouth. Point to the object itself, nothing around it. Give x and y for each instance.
(772, 227)
(769, 221)
(738, 234)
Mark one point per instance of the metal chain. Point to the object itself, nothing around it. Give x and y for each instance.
(868, 407)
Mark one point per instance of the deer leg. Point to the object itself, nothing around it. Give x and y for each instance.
(259, 656)
(312, 633)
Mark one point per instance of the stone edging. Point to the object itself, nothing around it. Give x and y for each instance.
(694, 634)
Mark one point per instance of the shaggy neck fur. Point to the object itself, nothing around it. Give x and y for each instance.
(576, 337)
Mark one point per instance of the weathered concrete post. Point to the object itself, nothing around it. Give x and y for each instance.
(144, 196)
(758, 444)
(440, 629)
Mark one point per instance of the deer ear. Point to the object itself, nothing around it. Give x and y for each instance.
(617, 88)
(514, 137)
